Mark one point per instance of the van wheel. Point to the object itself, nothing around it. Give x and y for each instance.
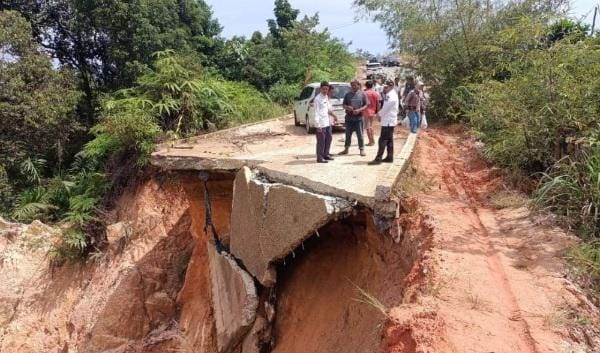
(296, 122)
(309, 129)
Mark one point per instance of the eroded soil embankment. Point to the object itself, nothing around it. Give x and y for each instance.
(499, 281)
(323, 294)
(464, 278)
(140, 295)
(150, 291)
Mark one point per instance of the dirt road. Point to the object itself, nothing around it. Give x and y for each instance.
(497, 281)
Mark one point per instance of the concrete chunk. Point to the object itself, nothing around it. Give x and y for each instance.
(234, 299)
(269, 220)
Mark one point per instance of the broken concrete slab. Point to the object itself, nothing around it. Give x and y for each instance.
(234, 299)
(269, 220)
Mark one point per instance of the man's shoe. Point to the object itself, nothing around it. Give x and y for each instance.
(329, 158)
(375, 162)
(322, 162)
(388, 160)
(362, 153)
(345, 151)
(371, 144)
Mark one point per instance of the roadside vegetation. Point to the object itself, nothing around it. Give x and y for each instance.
(526, 78)
(87, 89)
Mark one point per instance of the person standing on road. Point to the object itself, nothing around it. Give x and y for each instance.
(422, 101)
(323, 123)
(398, 90)
(333, 119)
(355, 102)
(369, 115)
(397, 87)
(412, 103)
(388, 116)
(379, 89)
(409, 85)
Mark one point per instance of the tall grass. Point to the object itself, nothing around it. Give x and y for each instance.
(571, 189)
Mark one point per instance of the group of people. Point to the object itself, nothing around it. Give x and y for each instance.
(380, 100)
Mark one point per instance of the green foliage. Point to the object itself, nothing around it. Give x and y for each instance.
(177, 99)
(110, 42)
(71, 131)
(527, 80)
(7, 194)
(71, 247)
(33, 204)
(285, 16)
(585, 259)
(572, 189)
(37, 103)
(567, 28)
(249, 104)
(459, 42)
(295, 52)
(284, 93)
(545, 111)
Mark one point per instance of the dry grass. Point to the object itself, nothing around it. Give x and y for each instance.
(565, 317)
(476, 302)
(369, 299)
(413, 182)
(435, 286)
(508, 199)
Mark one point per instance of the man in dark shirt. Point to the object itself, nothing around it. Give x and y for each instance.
(355, 102)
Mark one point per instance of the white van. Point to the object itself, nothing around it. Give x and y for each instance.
(304, 112)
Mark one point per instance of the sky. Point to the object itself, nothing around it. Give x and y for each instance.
(243, 17)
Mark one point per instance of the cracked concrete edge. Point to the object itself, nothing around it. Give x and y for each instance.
(312, 186)
(337, 208)
(200, 163)
(219, 133)
(386, 183)
(335, 201)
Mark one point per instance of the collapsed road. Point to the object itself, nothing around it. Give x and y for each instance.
(280, 199)
(239, 242)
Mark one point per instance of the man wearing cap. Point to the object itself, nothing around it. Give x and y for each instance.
(323, 123)
(355, 102)
(388, 116)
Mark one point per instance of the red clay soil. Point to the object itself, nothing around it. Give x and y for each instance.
(320, 307)
(498, 282)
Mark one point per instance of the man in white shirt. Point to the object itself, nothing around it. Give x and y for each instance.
(323, 124)
(388, 116)
(379, 89)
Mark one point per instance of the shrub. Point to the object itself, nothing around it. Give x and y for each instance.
(284, 93)
(572, 189)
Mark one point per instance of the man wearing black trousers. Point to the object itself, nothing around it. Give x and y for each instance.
(388, 116)
(355, 102)
(322, 123)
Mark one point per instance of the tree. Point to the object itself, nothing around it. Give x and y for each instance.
(295, 53)
(285, 16)
(37, 101)
(566, 28)
(110, 42)
(456, 41)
